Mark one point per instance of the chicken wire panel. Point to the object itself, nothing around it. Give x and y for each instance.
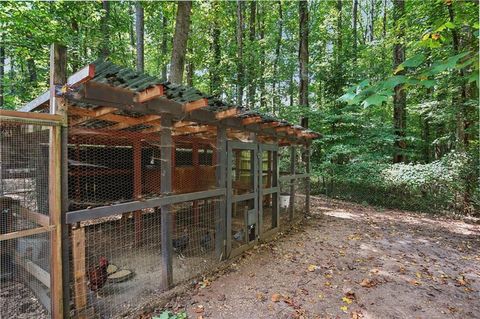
(25, 277)
(194, 164)
(24, 157)
(195, 227)
(284, 160)
(301, 156)
(268, 169)
(105, 169)
(300, 198)
(269, 212)
(242, 173)
(116, 263)
(244, 223)
(284, 201)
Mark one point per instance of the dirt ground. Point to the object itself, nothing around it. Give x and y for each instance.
(351, 261)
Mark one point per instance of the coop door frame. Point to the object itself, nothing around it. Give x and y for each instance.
(256, 194)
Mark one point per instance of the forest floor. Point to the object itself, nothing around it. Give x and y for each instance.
(350, 261)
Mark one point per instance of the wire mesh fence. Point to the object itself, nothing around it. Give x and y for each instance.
(24, 219)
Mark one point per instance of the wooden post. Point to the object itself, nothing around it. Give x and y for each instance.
(58, 77)
(220, 172)
(291, 207)
(307, 180)
(137, 188)
(195, 162)
(79, 271)
(166, 188)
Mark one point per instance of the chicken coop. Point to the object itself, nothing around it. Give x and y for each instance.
(116, 186)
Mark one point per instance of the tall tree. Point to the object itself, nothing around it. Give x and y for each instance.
(372, 20)
(252, 55)
(139, 31)
(355, 35)
(2, 73)
(399, 95)
(275, 94)
(303, 57)
(180, 40)
(104, 51)
(240, 82)
(164, 45)
(217, 54)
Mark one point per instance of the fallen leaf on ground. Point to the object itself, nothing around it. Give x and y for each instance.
(462, 281)
(344, 308)
(367, 283)
(260, 296)
(199, 309)
(356, 315)
(415, 282)
(347, 300)
(276, 297)
(312, 268)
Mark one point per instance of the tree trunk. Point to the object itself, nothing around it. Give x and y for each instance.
(252, 55)
(2, 74)
(275, 94)
(384, 19)
(132, 34)
(399, 96)
(355, 35)
(372, 20)
(180, 40)
(164, 45)
(104, 52)
(303, 57)
(139, 31)
(190, 71)
(215, 85)
(239, 52)
(261, 27)
(32, 70)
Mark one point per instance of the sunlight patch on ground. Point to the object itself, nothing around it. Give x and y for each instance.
(340, 213)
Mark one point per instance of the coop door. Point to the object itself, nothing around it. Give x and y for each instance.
(242, 196)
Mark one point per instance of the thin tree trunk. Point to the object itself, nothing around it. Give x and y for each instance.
(303, 57)
(275, 94)
(384, 19)
(252, 55)
(139, 31)
(164, 45)
(132, 35)
(180, 40)
(2, 74)
(190, 71)
(372, 20)
(215, 84)
(399, 96)
(261, 27)
(104, 52)
(32, 70)
(240, 83)
(355, 35)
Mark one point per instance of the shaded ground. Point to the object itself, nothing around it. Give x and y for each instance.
(351, 261)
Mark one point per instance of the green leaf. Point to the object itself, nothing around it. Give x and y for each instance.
(474, 77)
(393, 81)
(428, 83)
(450, 25)
(414, 61)
(374, 99)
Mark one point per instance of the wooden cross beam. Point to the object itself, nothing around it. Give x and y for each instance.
(195, 105)
(251, 120)
(149, 94)
(270, 124)
(282, 128)
(88, 114)
(146, 119)
(227, 113)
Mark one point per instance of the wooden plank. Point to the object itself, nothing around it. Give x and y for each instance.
(166, 188)
(195, 105)
(146, 119)
(270, 125)
(183, 123)
(221, 182)
(34, 269)
(41, 100)
(38, 218)
(79, 270)
(58, 77)
(31, 116)
(149, 94)
(88, 114)
(82, 76)
(251, 120)
(227, 113)
(27, 232)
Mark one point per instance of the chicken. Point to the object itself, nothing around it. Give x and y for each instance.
(206, 242)
(180, 243)
(97, 276)
(238, 235)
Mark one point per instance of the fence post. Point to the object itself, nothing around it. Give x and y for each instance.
(221, 172)
(291, 207)
(58, 77)
(166, 188)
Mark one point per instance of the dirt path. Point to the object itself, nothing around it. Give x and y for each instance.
(351, 261)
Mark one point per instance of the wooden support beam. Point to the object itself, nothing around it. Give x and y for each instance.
(251, 120)
(79, 271)
(227, 113)
(26, 232)
(195, 105)
(32, 116)
(58, 77)
(40, 219)
(166, 188)
(149, 94)
(282, 128)
(183, 123)
(88, 114)
(82, 76)
(146, 119)
(270, 125)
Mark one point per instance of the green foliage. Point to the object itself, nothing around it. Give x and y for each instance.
(170, 315)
